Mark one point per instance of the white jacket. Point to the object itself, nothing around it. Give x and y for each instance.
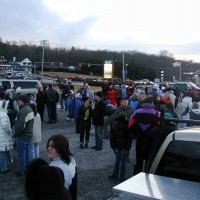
(6, 141)
(36, 138)
(68, 170)
(187, 100)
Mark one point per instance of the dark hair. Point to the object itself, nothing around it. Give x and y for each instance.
(169, 107)
(149, 99)
(34, 108)
(61, 144)
(23, 98)
(99, 93)
(85, 99)
(122, 116)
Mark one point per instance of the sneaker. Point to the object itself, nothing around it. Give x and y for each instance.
(81, 146)
(86, 146)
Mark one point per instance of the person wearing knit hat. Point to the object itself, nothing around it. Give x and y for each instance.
(44, 182)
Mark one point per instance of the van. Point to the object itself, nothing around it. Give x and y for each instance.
(28, 87)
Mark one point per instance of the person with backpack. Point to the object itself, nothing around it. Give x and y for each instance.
(140, 123)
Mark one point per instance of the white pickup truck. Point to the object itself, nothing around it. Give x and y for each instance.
(172, 172)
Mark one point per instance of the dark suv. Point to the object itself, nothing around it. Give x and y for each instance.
(184, 86)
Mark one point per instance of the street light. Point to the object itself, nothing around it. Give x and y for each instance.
(43, 43)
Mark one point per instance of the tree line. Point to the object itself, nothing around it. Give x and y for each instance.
(138, 65)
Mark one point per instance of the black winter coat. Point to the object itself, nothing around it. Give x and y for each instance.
(99, 112)
(120, 136)
(80, 121)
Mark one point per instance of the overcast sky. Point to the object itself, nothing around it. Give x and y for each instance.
(143, 25)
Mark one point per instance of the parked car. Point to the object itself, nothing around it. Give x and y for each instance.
(61, 80)
(177, 154)
(171, 170)
(28, 87)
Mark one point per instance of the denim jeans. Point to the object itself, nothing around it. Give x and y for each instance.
(98, 135)
(9, 155)
(63, 102)
(24, 153)
(71, 114)
(35, 150)
(119, 168)
(3, 161)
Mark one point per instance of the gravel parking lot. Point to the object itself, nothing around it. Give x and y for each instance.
(93, 166)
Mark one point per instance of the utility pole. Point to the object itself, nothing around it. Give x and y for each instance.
(123, 75)
(43, 43)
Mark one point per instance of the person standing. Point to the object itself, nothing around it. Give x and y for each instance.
(90, 94)
(6, 141)
(36, 138)
(84, 115)
(111, 95)
(64, 97)
(120, 142)
(140, 123)
(124, 107)
(40, 101)
(98, 114)
(52, 98)
(12, 114)
(24, 132)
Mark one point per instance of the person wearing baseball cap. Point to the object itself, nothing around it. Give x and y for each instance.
(24, 132)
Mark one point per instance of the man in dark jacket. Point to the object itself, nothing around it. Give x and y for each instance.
(140, 123)
(99, 112)
(52, 97)
(24, 132)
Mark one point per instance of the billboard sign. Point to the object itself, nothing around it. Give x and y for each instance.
(108, 69)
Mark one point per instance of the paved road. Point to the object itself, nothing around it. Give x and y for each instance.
(93, 167)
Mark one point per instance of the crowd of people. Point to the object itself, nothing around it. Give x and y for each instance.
(118, 114)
